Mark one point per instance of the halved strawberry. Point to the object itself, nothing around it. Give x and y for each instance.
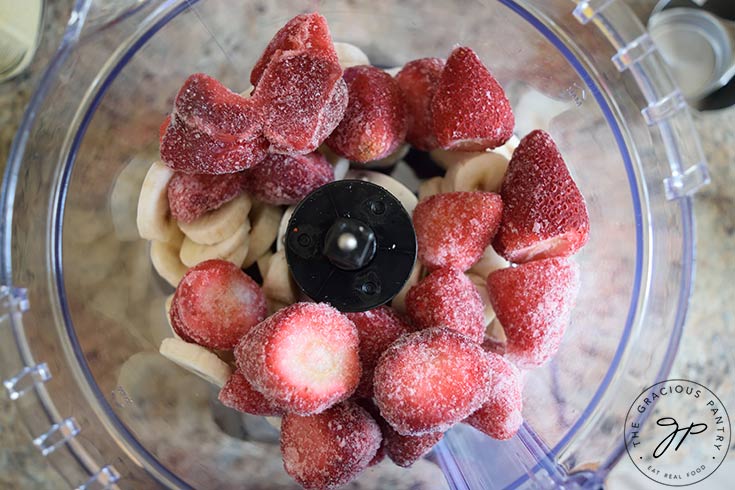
(238, 393)
(431, 379)
(192, 195)
(305, 32)
(377, 329)
(329, 449)
(447, 298)
(304, 357)
(545, 214)
(303, 97)
(470, 110)
(215, 304)
(418, 80)
(500, 417)
(287, 179)
(375, 122)
(454, 229)
(533, 302)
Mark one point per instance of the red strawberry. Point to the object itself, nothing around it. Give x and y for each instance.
(305, 32)
(192, 195)
(545, 214)
(164, 126)
(454, 229)
(375, 121)
(191, 150)
(286, 179)
(204, 103)
(215, 304)
(329, 449)
(447, 298)
(402, 450)
(377, 329)
(431, 379)
(533, 302)
(239, 394)
(304, 357)
(418, 80)
(470, 110)
(406, 450)
(500, 417)
(304, 98)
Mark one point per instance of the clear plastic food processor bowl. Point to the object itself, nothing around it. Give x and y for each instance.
(82, 309)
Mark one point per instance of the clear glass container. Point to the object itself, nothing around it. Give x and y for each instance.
(82, 309)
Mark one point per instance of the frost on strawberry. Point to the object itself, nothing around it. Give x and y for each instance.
(304, 357)
(429, 380)
(544, 213)
(533, 302)
(215, 304)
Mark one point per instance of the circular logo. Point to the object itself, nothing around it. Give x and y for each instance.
(677, 432)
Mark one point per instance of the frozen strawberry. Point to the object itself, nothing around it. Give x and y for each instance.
(176, 324)
(429, 380)
(406, 450)
(305, 357)
(402, 450)
(447, 298)
(377, 329)
(239, 394)
(418, 80)
(216, 304)
(533, 302)
(454, 229)
(164, 126)
(192, 195)
(375, 122)
(287, 179)
(212, 130)
(329, 449)
(305, 32)
(545, 214)
(304, 98)
(204, 103)
(470, 110)
(192, 150)
(494, 346)
(500, 417)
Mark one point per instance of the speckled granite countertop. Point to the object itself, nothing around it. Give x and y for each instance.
(706, 352)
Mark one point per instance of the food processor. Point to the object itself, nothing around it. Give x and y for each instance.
(81, 308)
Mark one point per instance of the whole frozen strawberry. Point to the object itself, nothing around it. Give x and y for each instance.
(533, 302)
(215, 304)
(298, 82)
(544, 213)
(500, 417)
(418, 80)
(287, 179)
(447, 298)
(470, 110)
(378, 329)
(454, 229)
(431, 379)
(240, 395)
(305, 32)
(212, 130)
(192, 195)
(375, 123)
(329, 449)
